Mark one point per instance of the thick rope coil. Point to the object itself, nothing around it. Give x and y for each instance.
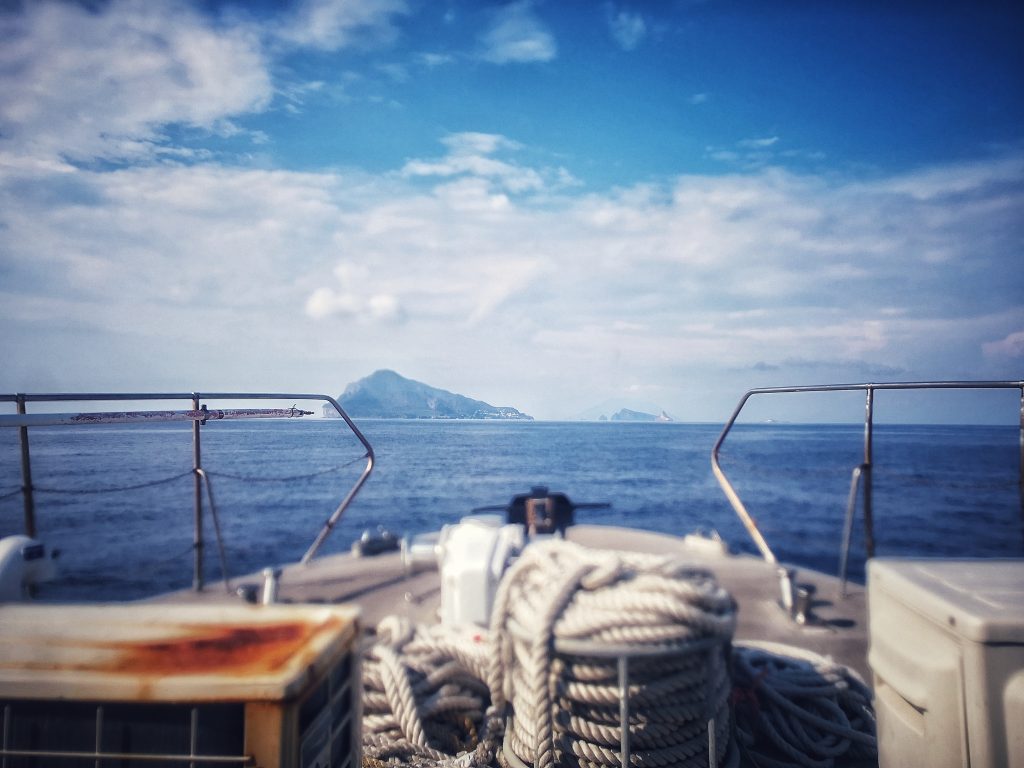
(796, 708)
(566, 706)
(424, 699)
(434, 696)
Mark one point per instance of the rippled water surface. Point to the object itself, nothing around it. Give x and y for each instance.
(938, 490)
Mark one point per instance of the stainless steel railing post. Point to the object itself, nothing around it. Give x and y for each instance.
(730, 492)
(625, 747)
(869, 427)
(26, 474)
(1020, 472)
(328, 526)
(197, 534)
(851, 510)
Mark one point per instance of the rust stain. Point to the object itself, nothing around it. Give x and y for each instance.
(241, 650)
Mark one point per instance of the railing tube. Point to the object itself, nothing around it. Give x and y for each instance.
(216, 529)
(336, 515)
(624, 736)
(23, 421)
(26, 474)
(869, 428)
(851, 510)
(730, 492)
(1020, 473)
(865, 470)
(197, 534)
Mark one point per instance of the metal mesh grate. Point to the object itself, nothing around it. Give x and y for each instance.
(73, 733)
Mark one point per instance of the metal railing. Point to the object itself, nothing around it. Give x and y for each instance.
(861, 477)
(198, 416)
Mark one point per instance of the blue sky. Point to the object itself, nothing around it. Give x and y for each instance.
(551, 205)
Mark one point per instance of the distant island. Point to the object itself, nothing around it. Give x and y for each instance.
(625, 414)
(624, 408)
(387, 395)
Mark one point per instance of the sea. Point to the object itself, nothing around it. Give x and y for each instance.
(118, 501)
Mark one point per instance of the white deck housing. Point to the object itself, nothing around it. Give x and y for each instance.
(947, 653)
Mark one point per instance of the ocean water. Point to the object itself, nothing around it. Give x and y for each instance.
(939, 490)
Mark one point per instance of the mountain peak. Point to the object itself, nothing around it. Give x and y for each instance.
(389, 395)
(385, 374)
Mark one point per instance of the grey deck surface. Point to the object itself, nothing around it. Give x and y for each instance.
(381, 586)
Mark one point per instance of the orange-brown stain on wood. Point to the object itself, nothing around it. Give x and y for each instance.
(232, 649)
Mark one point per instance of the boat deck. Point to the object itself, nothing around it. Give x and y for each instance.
(382, 586)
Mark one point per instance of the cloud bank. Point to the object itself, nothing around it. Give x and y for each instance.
(477, 266)
(69, 93)
(645, 284)
(83, 84)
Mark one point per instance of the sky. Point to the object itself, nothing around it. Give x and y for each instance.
(557, 206)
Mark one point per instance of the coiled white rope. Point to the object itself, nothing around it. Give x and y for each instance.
(435, 696)
(796, 708)
(567, 706)
(425, 699)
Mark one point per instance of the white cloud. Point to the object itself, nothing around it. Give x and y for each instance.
(327, 302)
(324, 302)
(398, 73)
(296, 94)
(1010, 347)
(627, 29)
(763, 152)
(959, 179)
(470, 143)
(472, 154)
(71, 91)
(350, 298)
(384, 306)
(760, 143)
(724, 155)
(516, 35)
(432, 60)
(330, 25)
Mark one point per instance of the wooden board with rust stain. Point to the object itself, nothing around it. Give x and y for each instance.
(230, 649)
(157, 652)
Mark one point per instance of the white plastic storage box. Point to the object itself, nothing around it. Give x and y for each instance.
(179, 685)
(947, 657)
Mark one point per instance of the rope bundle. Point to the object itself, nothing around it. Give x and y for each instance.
(796, 708)
(435, 696)
(567, 706)
(424, 699)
